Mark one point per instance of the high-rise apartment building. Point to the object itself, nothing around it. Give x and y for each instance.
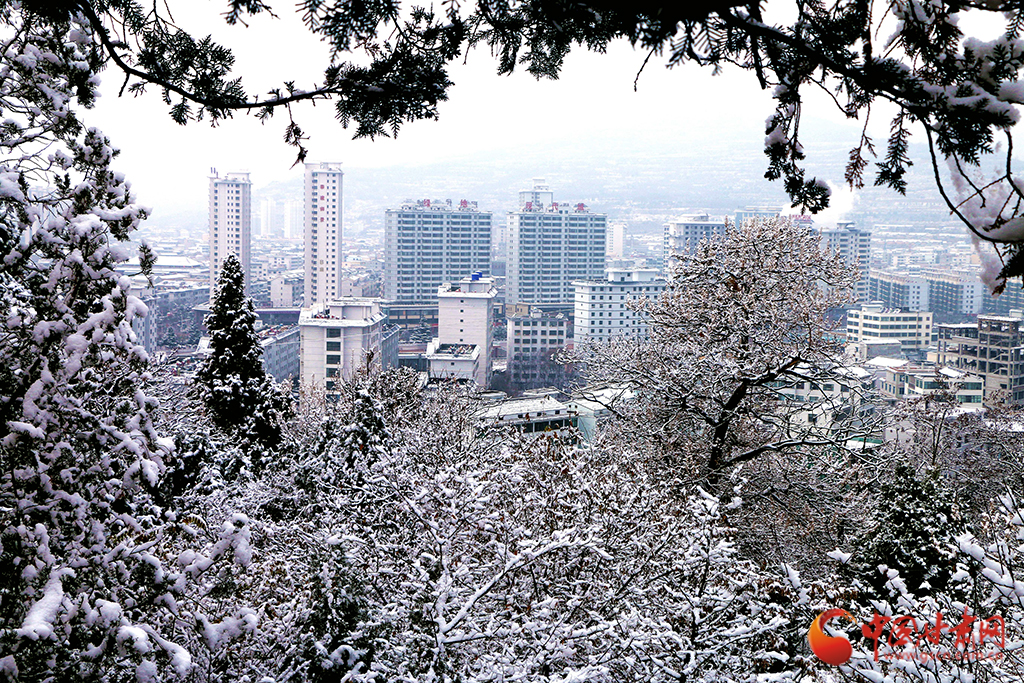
(751, 212)
(854, 245)
(292, 224)
(230, 228)
(684, 234)
(551, 245)
(323, 234)
(428, 243)
(601, 307)
(900, 291)
(955, 296)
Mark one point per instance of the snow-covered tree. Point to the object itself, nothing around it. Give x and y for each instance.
(401, 547)
(91, 567)
(742, 325)
(234, 385)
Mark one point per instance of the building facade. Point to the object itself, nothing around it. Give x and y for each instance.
(550, 245)
(854, 245)
(323, 233)
(905, 292)
(533, 340)
(992, 348)
(913, 329)
(683, 235)
(286, 289)
(230, 223)
(281, 351)
(952, 296)
(428, 243)
(602, 306)
(338, 338)
(465, 321)
(910, 382)
(752, 212)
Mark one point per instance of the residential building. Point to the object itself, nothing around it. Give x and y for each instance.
(992, 348)
(533, 340)
(895, 290)
(281, 351)
(292, 224)
(752, 212)
(323, 233)
(827, 403)
(919, 381)
(913, 329)
(339, 338)
(286, 289)
(616, 240)
(1011, 299)
(428, 243)
(550, 245)
(684, 234)
(954, 295)
(854, 245)
(602, 309)
(465, 330)
(230, 227)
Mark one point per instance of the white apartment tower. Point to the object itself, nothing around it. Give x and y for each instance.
(550, 245)
(230, 228)
(428, 243)
(601, 310)
(465, 330)
(322, 233)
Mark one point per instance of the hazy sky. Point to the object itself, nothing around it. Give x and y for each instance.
(168, 164)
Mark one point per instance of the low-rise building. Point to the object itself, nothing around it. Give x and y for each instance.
(918, 381)
(592, 405)
(529, 414)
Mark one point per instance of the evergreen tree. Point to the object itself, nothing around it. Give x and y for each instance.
(234, 385)
(912, 531)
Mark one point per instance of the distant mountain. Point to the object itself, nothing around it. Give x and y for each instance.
(628, 174)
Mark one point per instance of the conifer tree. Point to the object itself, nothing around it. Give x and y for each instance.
(913, 528)
(234, 385)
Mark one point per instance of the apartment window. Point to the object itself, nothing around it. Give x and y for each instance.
(334, 346)
(333, 360)
(335, 333)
